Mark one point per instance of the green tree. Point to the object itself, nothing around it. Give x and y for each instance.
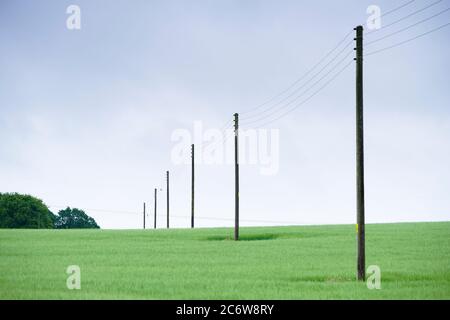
(24, 211)
(74, 219)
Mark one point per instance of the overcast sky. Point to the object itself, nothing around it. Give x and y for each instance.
(87, 116)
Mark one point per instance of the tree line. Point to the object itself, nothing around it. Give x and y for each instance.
(21, 211)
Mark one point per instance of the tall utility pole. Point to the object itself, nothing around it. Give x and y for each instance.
(155, 207)
(236, 177)
(360, 224)
(144, 215)
(167, 174)
(192, 187)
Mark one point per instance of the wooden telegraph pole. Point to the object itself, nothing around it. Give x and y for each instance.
(155, 207)
(144, 215)
(236, 177)
(192, 187)
(167, 174)
(360, 224)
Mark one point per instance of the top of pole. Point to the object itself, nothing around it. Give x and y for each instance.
(359, 43)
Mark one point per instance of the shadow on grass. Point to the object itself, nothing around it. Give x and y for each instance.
(256, 237)
(253, 236)
(387, 277)
(322, 279)
(405, 277)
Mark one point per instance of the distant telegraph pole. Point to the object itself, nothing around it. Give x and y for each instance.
(192, 186)
(167, 174)
(155, 207)
(236, 177)
(144, 215)
(360, 225)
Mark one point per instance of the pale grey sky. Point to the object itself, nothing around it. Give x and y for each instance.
(86, 116)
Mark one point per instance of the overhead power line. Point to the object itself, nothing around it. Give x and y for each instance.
(302, 94)
(397, 8)
(310, 70)
(232, 219)
(309, 98)
(403, 18)
(180, 216)
(374, 41)
(407, 28)
(391, 11)
(303, 85)
(408, 40)
(301, 78)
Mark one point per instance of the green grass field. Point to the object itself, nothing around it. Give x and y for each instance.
(307, 262)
